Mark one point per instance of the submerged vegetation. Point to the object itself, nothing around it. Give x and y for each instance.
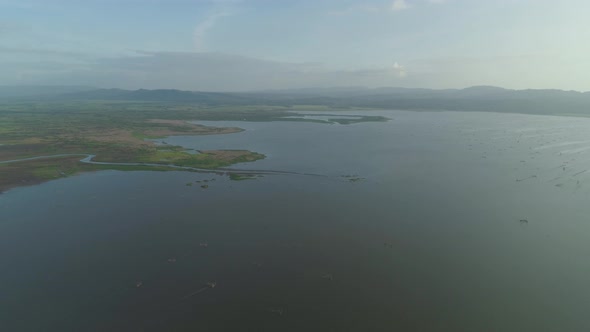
(353, 178)
(242, 177)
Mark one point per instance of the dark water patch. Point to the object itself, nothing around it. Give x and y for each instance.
(430, 240)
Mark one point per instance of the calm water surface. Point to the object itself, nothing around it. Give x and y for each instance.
(430, 240)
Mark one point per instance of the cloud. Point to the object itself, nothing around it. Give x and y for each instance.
(43, 52)
(199, 72)
(224, 72)
(395, 6)
(203, 27)
(399, 70)
(399, 5)
(355, 9)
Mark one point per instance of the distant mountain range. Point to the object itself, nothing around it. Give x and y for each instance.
(477, 98)
(16, 91)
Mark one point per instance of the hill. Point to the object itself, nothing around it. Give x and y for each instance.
(477, 98)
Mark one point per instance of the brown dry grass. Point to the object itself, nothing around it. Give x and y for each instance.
(116, 136)
(180, 127)
(170, 122)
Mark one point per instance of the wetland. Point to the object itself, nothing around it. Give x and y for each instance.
(413, 222)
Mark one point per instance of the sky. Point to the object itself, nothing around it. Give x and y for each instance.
(246, 45)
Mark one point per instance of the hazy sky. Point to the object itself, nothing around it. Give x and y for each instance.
(269, 44)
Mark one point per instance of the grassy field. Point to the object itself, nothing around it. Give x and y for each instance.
(117, 132)
(42, 170)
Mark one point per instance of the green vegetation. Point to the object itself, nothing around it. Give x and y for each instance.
(204, 159)
(41, 170)
(118, 132)
(242, 177)
(353, 178)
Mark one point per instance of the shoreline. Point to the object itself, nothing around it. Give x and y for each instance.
(88, 159)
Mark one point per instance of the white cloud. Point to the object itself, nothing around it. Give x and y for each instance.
(200, 32)
(359, 8)
(396, 5)
(197, 71)
(399, 5)
(399, 70)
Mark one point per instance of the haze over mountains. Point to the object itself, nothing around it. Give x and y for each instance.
(477, 98)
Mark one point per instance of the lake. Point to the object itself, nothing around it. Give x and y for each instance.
(459, 222)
